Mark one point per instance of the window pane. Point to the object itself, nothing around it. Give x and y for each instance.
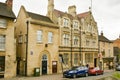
(66, 40)
(3, 23)
(75, 58)
(2, 63)
(50, 37)
(20, 39)
(75, 25)
(66, 57)
(76, 40)
(2, 42)
(65, 22)
(39, 36)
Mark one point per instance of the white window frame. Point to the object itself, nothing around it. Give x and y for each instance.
(50, 37)
(39, 36)
(3, 23)
(2, 42)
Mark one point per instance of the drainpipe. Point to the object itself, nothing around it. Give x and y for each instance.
(26, 48)
(80, 56)
(71, 46)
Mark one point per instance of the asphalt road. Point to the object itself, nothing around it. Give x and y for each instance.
(60, 77)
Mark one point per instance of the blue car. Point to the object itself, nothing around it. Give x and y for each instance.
(76, 72)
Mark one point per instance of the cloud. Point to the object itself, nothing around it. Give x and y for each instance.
(114, 2)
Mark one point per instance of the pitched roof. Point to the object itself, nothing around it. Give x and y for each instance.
(60, 13)
(82, 15)
(39, 17)
(104, 39)
(6, 11)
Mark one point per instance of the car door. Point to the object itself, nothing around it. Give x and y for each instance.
(79, 71)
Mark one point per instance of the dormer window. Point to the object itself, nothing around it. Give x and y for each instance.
(3, 23)
(65, 22)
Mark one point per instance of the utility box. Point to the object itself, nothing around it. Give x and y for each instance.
(36, 71)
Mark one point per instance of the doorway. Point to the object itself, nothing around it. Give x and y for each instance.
(54, 67)
(44, 64)
(95, 62)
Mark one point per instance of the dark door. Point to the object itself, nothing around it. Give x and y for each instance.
(18, 67)
(95, 62)
(44, 67)
(54, 67)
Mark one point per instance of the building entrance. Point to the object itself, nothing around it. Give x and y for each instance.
(44, 64)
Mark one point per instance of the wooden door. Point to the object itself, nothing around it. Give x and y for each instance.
(54, 67)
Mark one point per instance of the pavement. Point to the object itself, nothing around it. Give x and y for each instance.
(45, 77)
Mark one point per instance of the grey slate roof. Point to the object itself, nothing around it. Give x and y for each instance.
(5, 11)
(39, 17)
(104, 39)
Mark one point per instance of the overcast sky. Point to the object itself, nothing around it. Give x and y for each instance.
(105, 12)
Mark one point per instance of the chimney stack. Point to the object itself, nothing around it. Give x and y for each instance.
(72, 10)
(9, 3)
(101, 33)
(50, 9)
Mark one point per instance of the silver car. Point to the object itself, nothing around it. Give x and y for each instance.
(118, 68)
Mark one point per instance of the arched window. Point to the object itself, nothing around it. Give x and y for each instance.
(44, 57)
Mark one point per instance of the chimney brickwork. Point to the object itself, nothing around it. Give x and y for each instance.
(9, 3)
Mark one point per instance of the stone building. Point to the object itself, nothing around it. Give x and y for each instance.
(78, 35)
(116, 45)
(7, 40)
(41, 40)
(37, 44)
(106, 51)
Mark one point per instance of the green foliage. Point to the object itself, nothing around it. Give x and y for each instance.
(116, 75)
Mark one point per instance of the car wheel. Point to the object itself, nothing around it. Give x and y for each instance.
(102, 73)
(86, 74)
(63, 76)
(74, 76)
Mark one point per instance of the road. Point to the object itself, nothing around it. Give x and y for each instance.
(59, 77)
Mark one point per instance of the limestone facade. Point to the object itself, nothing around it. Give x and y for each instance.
(7, 41)
(106, 51)
(40, 48)
(78, 36)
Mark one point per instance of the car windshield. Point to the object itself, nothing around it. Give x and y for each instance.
(96, 68)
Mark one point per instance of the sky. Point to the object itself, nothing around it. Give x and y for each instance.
(105, 12)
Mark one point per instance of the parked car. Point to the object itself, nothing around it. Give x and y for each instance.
(76, 72)
(117, 68)
(95, 71)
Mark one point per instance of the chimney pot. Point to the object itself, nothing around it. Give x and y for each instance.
(9, 3)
